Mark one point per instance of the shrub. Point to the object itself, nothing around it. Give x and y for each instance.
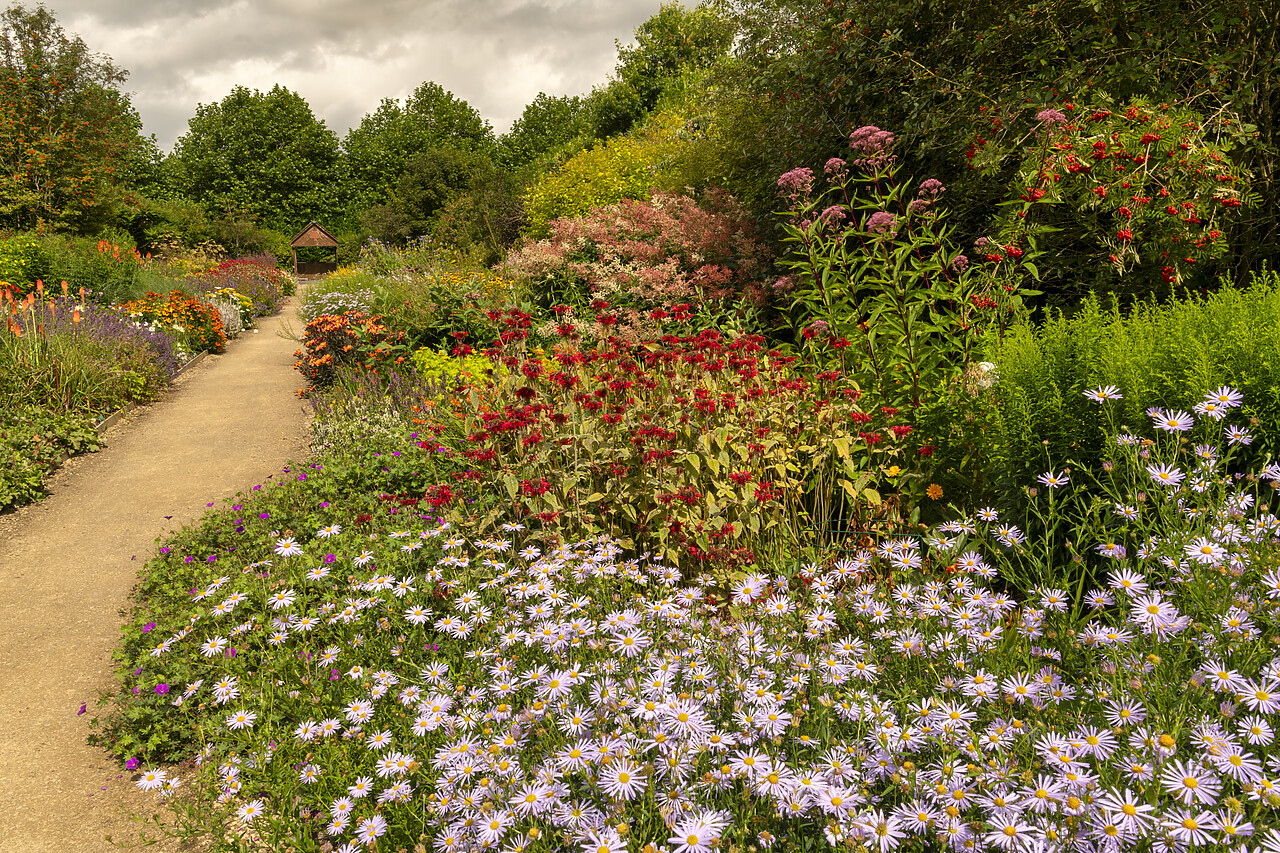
(625, 167)
(198, 324)
(1142, 194)
(1160, 354)
(641, 255)
(331, 342)
(33, 440)
(110, 270)
(430, 304)
(24, 260)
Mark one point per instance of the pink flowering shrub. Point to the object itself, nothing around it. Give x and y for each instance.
(638, 256)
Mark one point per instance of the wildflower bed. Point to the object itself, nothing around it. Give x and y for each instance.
(353, 673)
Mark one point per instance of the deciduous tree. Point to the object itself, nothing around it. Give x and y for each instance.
(67, 133)
(260, 156)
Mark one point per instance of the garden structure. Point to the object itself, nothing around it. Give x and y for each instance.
(313, 237)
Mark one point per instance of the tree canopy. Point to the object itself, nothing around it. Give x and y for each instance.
(264, 155)
(379, 150)
(67, 133)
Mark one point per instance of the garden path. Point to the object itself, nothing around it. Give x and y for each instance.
(67, 565)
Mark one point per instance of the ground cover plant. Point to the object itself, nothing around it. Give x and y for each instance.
(352, 673)
(33, 441)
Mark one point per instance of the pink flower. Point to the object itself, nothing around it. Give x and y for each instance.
(880, 222)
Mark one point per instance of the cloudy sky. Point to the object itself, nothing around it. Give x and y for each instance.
(345, 56)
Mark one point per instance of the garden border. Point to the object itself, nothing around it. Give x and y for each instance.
(114, 418)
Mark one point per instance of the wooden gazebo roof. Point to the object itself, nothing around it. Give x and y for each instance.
(314, 234)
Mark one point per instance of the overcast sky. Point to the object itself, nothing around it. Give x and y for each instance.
(345, 56)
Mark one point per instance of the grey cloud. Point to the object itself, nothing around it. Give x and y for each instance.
(345, 56)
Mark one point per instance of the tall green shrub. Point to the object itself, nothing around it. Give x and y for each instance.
(1157, 355)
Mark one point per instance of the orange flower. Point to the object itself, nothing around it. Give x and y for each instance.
(934, 491)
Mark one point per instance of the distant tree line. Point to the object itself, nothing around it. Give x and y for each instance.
(730, 93)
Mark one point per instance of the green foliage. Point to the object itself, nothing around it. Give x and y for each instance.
(1160, 355)
(33, 441)
(952, 77)
(547, 125)
(879, 280)
(658, 444)
(108, 268)
(672, 42)
(435, 366)
(1140, 195)
(68, 136)
(460, 197)
(256, 160)
(433, 304)
(624, 167)
(24, 260)
(379, 151)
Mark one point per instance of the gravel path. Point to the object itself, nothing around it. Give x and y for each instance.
(68, 563)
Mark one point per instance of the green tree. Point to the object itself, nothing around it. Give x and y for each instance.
(259, 158)
(546, 126)
(378, 151)
(68, 136)
(674, 41)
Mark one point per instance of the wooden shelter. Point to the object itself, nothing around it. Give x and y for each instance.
(314, 236)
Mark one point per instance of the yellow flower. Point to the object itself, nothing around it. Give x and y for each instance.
(934, 491)
(894, 471)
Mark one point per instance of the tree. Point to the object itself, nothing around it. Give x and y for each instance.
(547, 124)
(674, 41)
(67, 134)
(259, 157)
(377, 152)
(962, 82)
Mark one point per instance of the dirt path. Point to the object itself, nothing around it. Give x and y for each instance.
(68, 563)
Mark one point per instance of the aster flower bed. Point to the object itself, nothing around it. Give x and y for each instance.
(357, 674)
